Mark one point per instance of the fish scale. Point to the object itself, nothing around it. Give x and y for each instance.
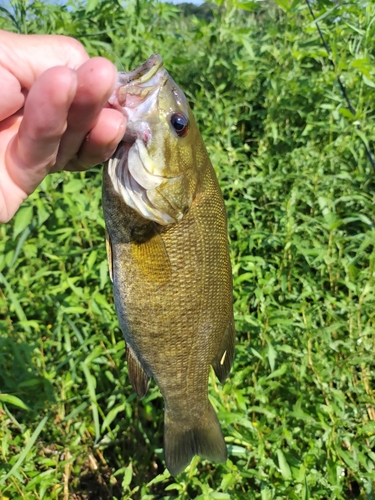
(172, 281)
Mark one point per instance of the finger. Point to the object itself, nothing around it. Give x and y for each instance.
(11, 196)
(12, 98)
(28, 56)
(101, 142)
(33, 150)
(96, 81)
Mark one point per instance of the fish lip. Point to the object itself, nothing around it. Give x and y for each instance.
(143, 73)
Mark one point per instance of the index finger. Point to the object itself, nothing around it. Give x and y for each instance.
(33, 150)
(28, 56)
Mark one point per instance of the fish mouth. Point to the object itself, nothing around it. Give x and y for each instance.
(137, 90)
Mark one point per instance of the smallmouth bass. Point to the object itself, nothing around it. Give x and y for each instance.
(169, 260)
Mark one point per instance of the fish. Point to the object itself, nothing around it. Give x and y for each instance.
(168, 254)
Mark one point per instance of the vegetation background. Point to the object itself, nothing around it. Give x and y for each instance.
(298, 410)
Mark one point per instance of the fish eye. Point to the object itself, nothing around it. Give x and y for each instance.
(180, 123)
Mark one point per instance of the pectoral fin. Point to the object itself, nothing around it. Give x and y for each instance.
(224, 359)
(138, 377)
(151, 259)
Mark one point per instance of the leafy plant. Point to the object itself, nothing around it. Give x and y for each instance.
(298, 409)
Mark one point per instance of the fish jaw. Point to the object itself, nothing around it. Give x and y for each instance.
(134, 190)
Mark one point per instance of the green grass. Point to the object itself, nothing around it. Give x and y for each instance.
(298, 410)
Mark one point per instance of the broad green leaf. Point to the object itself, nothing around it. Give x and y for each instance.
(127, 477)
(159, 478)
(174, 486)
(111, 416)
(279, 372)
(22, 219)
(13, 400)
(73, 186)
(284, 4)
(247, 5)
(104, 273)
(284, 466)
(271, 355)
(91, 5)
(368, 81)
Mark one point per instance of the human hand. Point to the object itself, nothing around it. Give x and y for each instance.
(53, 112)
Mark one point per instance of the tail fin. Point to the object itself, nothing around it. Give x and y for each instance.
(203, 438)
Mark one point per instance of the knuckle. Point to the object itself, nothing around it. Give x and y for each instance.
(75, 50)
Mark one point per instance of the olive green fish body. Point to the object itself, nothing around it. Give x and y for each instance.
(173, 296)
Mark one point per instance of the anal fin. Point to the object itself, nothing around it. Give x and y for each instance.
(137, 375)
(224, 359)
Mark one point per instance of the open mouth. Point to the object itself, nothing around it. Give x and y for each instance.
(136, 93)
(134, 88)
